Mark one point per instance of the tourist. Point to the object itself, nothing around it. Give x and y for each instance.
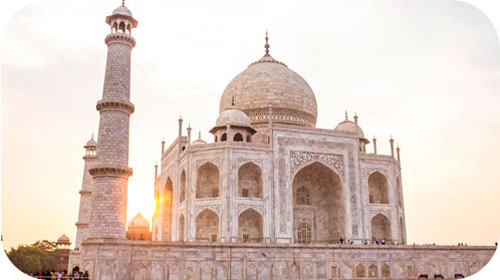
(86, 275)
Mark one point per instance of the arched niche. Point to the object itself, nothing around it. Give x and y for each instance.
(181, 227)
(223, 137)
(250, 180)
(386, 271)
(399, 192)
(167, 209)
(378, 189)
(207, 226)
(360, 271)
(250, 226)
(182, 191)
(324, 209)
(381, 228)
(207, 181)
(238, 137)
(372, 271)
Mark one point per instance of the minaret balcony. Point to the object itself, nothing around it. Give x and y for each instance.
(105, 170)
(114, 105)
(120, 37)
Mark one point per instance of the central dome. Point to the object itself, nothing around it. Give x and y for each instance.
(268, 81)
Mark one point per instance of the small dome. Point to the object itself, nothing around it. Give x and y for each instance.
(199, 141)
(91, 142)
(122, 10)
(63, 240)
(138, 222)
(350, 127)
(234, 116)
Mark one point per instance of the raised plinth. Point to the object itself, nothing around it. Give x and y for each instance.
(108, 258)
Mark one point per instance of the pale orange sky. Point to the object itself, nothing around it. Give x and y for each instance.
(427, 72)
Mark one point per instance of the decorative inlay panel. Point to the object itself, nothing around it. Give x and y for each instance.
(257, 162)
(215, 161)
(298, 159)
(200, 208)
(259, 208)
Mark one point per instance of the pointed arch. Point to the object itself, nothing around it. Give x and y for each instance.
(250, 226)
(207, 181)
(181, 227)
(399, 192)
(381, 228)
(372, 271)
(360, 271)
(238, 137)
(207, 226)
(378, 189)
(182, 191)
(250, 180)
(386, 271)
(223, 137)
(167, 209)
(325, 212)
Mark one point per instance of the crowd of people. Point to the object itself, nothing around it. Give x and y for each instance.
(62, 275)
(367, 242)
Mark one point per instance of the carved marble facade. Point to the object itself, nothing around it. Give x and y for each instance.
(272, 197)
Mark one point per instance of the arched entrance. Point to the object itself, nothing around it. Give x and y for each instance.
(318, 205)
(250, 226)
(381, 228)
(378, 188)
(207, 181)
(207, 226)
(250, 180)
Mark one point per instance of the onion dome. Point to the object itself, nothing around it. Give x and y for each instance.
(63, 239)
(351, 127)
(122, 10)
(199, 141)
(270, 81)
(138, 222)
(235, 117)
(91, 143)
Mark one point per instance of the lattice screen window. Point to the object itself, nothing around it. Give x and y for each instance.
(304, 233)
(302, 196)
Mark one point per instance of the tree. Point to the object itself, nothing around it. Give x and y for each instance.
(37, 257)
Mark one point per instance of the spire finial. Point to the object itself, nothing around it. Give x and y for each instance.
(123, 2)
(346, 116)
(92, 136)
(199, 134)
(355, 117)
(267, 45)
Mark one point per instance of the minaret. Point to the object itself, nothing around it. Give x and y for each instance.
(111, 171)
(82, 224)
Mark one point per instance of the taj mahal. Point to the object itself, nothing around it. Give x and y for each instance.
(270, 196)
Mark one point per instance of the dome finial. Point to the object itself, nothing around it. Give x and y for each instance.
(123, 2)
(346, 116)
(267, 45)
(355, 117)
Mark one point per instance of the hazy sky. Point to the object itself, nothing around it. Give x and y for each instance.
(427, 72)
